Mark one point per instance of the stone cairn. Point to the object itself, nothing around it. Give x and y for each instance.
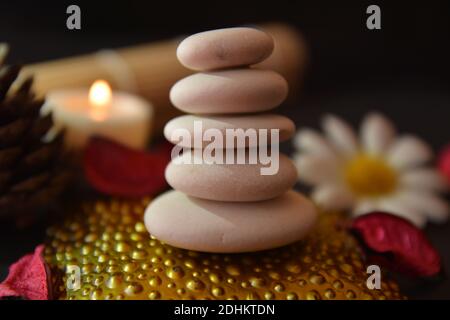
(218, 207)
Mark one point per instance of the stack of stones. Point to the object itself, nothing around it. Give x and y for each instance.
(229, 207)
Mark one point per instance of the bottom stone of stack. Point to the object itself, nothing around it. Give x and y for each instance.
(229, 227)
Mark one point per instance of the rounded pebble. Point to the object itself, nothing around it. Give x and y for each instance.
(267, 121)
(229, 91)
(230, 182)
(225, 48)
(214, 226)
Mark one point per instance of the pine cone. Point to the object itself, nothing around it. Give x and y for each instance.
(32, 172)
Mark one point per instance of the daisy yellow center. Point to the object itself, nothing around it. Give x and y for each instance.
(369, 176)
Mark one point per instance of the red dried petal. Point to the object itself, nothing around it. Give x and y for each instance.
(116, 170)
(397, 244)
(27, 278)
(444, 162)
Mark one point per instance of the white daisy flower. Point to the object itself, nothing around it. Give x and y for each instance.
(380, 171)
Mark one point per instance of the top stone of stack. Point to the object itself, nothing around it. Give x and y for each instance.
(225, 48)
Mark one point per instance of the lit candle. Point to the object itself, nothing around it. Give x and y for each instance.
(82, 113)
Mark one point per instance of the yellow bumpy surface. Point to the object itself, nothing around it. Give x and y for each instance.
(106, 241)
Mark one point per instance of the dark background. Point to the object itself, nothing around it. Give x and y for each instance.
(402, 70)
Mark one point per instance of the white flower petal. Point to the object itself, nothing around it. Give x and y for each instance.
(332, 197)
(364, 206)
(423, 179)
(408, 152)
(341, 135)
(314, 168)
(398, 207)
(377, 133)
(430, 205)
(311, 141)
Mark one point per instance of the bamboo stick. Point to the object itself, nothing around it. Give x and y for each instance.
(151, 69)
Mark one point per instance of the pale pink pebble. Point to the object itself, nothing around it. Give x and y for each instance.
(224, 48)
(214, 226)
(267, 121)
(229, 91)
(230, 182)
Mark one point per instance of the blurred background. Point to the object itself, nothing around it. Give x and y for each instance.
(402, 70)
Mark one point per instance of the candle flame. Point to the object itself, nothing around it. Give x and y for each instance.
(100, 94)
